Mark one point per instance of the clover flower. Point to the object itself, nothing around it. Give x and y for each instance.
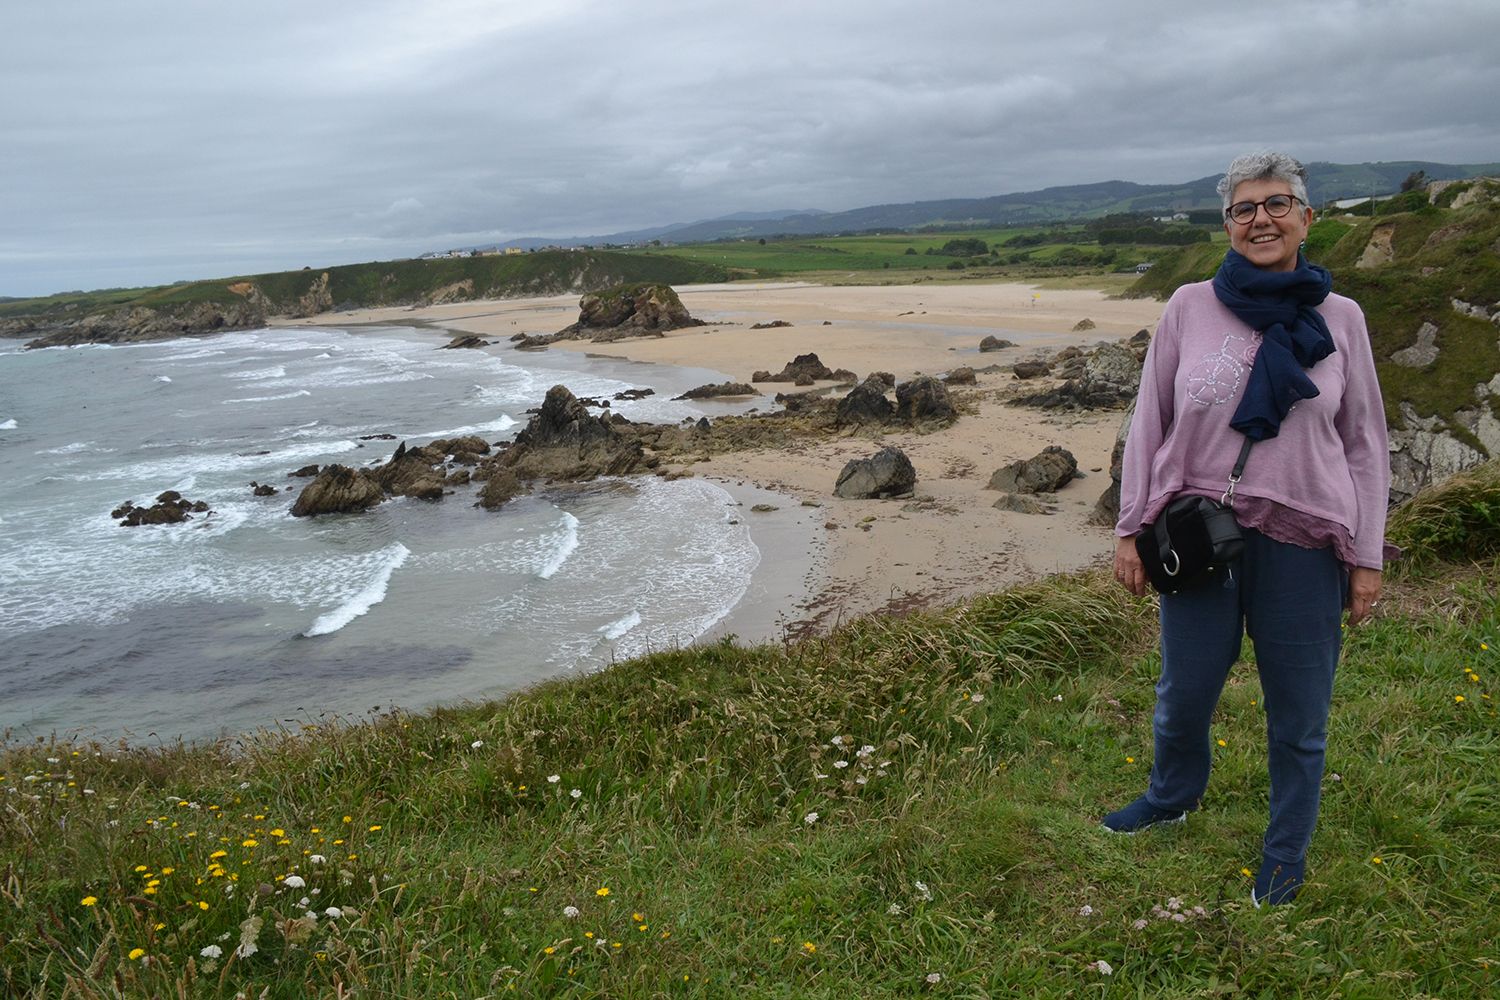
(810, 818)
(571, 912)
(1102, 967)
(933, 978)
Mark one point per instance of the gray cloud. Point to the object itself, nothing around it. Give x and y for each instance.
(147, 142)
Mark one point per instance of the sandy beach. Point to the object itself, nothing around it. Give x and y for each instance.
(945, 542)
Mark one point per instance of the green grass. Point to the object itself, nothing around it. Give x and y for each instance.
(963, 843)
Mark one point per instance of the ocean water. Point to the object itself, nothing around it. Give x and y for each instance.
(249, 617)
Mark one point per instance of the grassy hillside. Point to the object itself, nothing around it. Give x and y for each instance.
(906, 807)
(389, 283)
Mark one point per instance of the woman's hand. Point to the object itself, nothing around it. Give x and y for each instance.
(1364, 591)
(1131, 573)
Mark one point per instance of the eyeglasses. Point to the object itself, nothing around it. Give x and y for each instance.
(1276, 207)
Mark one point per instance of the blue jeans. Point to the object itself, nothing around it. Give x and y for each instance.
(1290, 600)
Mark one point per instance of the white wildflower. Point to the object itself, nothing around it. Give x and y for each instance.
(934, 978)
(837, 741)
(476, 744)
(571, 912)
(819, 775)
(54, 760)
(294, 882)
(577, 793)
(316, 859)
(333, 913)
(1179, 917)
(1139, 924)
(1335, 776)
(894, 909)
(1103, 968)
(841, 764)
(244, 785)
(865, 750)
(1057, 697)
(976, 697)
(861, 780)
(211, 951)
(923, 893)
(553, 779)
(1085, 910)
(1174, 903)
(810, 818)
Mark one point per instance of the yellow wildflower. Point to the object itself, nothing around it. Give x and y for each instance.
(809, 947)
(603, 890)
(89, 901)
(1376, 860)
(375, 827)
(136, 953)
(202, 904)
(278, 832)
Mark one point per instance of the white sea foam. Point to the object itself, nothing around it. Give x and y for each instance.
(267, 399)
(614, 630)
(162, 378)
(276, 371)
(503, 423)
(372, 594)
(8, 425)
(565, 541)
(182, 465)
(77, 447)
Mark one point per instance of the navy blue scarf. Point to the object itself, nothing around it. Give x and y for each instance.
(1293, 336)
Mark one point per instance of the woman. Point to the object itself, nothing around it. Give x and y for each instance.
(1264, 351)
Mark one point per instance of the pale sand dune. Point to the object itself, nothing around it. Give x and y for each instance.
(949, 541)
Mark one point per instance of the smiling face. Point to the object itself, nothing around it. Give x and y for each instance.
(1268, 243)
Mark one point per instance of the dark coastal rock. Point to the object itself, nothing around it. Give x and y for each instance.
(631, 310)
(993, 343)
(429, 488)
(405, 468)
(924, 400)
(502, 486)
(1047, 472)
(721, 389)
(1083, 324)
(170, 508)
(887, 473)
(866, 403)
(338, 489)
(844, 375)
(469, 444)
(263, 489)
(1114, 365)
(363, 437)
(465, 341)
(631, 394)
(773, 324)
(305, 471)
(1107, 510)
(565, 442)
(961, 376)
(886, 379)
(1031, 369)
(458, 477)
(806, 366)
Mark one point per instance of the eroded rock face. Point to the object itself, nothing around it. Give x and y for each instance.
(1107, 510)
(564, 442)
(501, 487)
(1421, 354)
(721, 389)
(634, 307)
(924, 400)
(1046, 472)
(866, 403)
(961, 376)
(802, 366)
(887, 473)
(338, 489)
(1031, 369)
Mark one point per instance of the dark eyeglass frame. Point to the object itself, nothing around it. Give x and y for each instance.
(1233, 212)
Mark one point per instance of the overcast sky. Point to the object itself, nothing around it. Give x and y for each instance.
(143, 141)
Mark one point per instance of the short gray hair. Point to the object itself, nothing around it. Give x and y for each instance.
(1264, 166)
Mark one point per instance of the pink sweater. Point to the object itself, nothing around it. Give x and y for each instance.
(1324, 480)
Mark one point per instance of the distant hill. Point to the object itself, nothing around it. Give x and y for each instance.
(1327, 182)
(200, 307)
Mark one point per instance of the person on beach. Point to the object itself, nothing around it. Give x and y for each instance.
(1264, 350)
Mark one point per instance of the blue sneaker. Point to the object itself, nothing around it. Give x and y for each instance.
(1139, 815)
(1277, 882)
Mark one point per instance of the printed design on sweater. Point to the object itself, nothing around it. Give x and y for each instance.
(1215, 379)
